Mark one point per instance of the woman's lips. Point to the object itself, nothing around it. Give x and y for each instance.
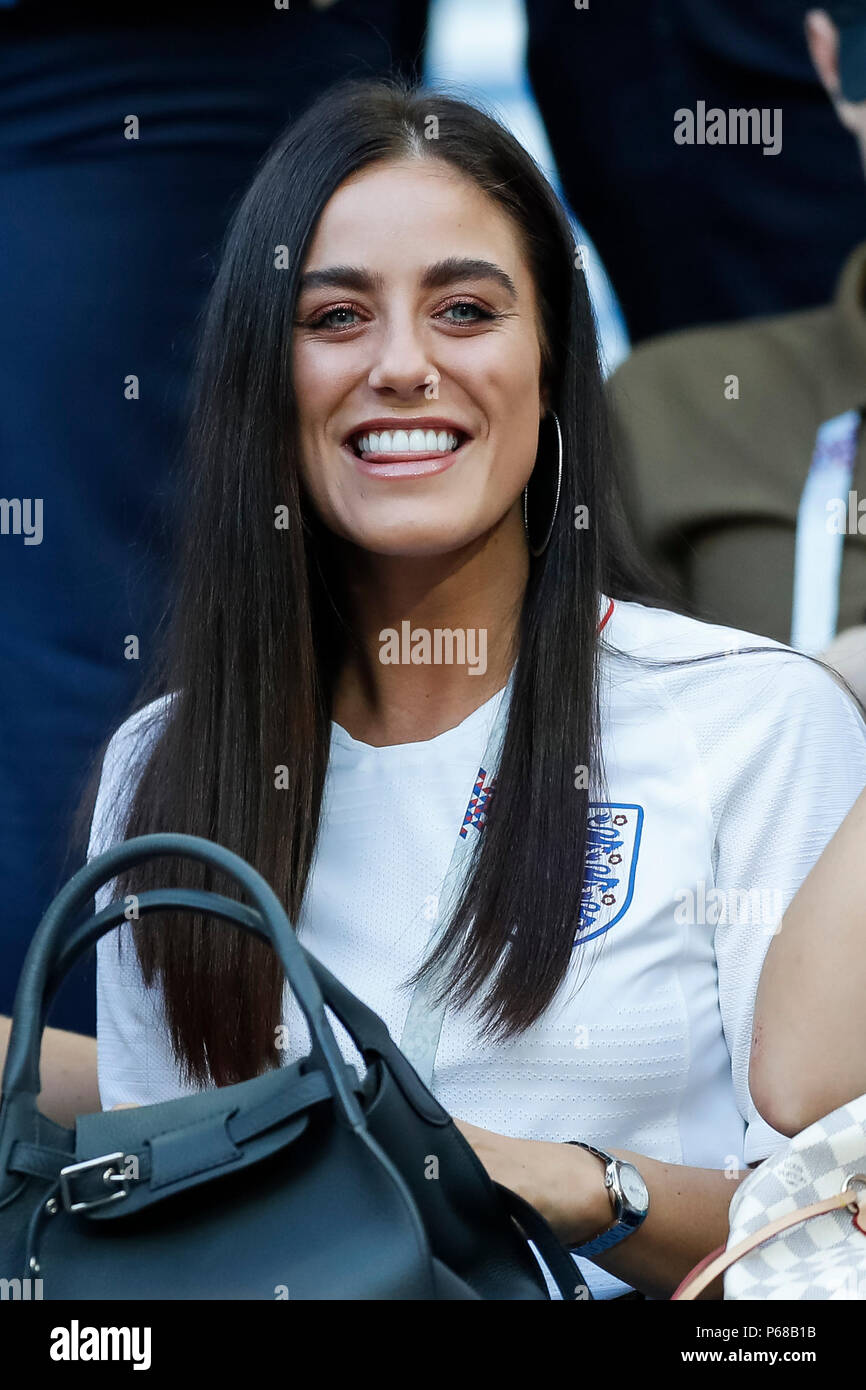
(408, 465)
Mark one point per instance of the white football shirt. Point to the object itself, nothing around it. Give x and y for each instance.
(725, 780)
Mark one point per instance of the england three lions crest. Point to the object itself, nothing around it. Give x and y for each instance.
(613, 843)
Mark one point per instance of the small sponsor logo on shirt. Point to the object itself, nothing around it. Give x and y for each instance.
(614, 831)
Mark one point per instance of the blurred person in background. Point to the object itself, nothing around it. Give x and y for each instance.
(744, 441)
(691, 234)
(126, 135)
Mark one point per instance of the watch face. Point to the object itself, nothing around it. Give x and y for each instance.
(633, 1186)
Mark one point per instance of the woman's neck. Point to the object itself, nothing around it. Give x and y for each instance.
(438, 636)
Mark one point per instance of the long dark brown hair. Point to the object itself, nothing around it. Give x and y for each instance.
(259, 624)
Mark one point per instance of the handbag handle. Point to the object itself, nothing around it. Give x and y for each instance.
(21, 1072)
(365, 1028)
(714, 1264)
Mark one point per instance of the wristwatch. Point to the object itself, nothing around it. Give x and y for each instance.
(629, 1197)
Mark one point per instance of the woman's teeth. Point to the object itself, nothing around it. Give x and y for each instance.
(407, 442)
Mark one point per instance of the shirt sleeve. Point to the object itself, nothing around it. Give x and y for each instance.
(784, 767)
(135, 1059)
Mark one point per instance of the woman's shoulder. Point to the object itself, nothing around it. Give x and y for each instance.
(137, 733)
(759, 731)
(638, 629)
(125, 753)
(716, 676)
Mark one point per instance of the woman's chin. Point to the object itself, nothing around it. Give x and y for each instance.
(414, 542)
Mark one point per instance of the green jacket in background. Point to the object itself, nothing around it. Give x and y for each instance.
(714, 468)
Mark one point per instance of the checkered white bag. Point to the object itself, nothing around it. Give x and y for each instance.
(794, 1231)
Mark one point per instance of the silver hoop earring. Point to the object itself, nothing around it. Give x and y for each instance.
(533, 550)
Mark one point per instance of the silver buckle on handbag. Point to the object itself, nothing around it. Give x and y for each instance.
(110, 1163)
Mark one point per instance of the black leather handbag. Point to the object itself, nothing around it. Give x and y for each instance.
(302, 1183)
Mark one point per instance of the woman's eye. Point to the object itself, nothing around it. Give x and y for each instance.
(466, 311)
(341, 316)
(461, 312)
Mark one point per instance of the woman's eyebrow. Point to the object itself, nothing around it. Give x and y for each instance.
(436, 276)
(466, 268)
(350, 277)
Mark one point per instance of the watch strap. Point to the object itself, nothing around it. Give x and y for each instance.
(599, 1153)
(612, 1236)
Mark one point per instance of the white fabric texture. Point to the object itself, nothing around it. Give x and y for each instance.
(724, 778)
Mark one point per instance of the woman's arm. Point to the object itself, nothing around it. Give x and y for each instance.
(687, 1218)
(68, 1071)
(809, 1037)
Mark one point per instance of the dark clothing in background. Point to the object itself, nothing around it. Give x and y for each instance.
(109, 247)
(694, 234)
(716, 482)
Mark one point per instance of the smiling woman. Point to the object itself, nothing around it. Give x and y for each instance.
(398, 363)
(403, 319)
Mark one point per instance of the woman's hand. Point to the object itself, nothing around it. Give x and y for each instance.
(68, 1073)
(565, 1184)
(688, 1213)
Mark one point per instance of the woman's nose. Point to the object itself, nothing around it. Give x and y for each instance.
(403, 363)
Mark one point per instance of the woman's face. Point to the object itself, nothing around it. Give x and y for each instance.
(416, 361)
